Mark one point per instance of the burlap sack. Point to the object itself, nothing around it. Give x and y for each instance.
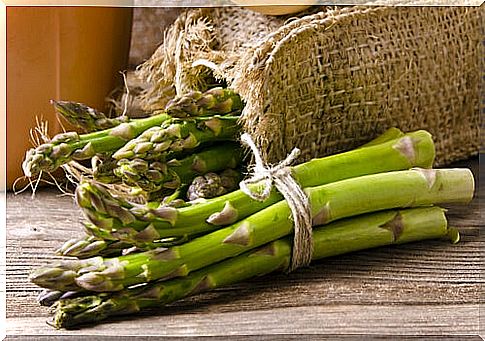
(331, 80)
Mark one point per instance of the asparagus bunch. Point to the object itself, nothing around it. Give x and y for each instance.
(70, 146)
(144, 255)
(377, 229)
(337, 200)
(115, 214)
(210, 185)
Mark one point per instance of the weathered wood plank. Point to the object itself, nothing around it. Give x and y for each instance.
(329, 319)
(420, 288)
(279, 337)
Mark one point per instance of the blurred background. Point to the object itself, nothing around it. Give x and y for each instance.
(147, 33)
(74, 53)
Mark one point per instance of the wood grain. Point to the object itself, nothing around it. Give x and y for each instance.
(280, 337)
(426, 288)
(421, 320)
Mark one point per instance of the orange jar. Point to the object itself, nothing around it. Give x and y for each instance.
(61, 53)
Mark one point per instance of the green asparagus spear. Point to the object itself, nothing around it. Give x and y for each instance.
(417, 187)
(72, 146)
(85, 117)
(114, 213)
(363, 232)
(177, 135)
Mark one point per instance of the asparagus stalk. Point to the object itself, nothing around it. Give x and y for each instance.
(177, 135)
(212, 185)
(417, 187)
(114, 213)
(85, 117)
(70, 146)
(154, 176)
(373, 230)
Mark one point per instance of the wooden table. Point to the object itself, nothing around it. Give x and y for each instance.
(425, 288)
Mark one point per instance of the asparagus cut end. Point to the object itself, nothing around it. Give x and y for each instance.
(455, 184)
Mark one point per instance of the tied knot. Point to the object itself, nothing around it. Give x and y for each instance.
(263, 172)
(280, 176)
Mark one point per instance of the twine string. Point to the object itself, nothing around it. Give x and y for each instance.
(280, 176)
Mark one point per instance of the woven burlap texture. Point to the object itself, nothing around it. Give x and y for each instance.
(329, 81)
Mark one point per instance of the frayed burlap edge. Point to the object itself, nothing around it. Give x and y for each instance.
(170, 70)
